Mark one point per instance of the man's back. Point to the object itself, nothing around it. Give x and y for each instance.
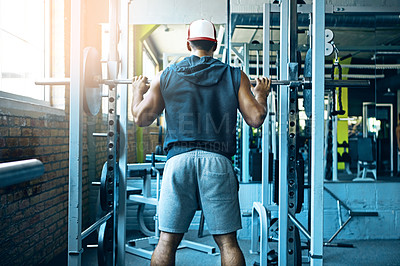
(201, 101)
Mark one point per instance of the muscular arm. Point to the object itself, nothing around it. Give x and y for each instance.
(146, 108)
(253, 107)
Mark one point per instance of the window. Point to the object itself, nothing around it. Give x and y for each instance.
(32, 48)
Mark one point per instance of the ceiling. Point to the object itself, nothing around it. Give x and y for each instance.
(359, 36)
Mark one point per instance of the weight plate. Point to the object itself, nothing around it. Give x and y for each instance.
(106, 189)
(328, 35)
(91, 81)
(105, 243)
(328, 49)
(297, 247)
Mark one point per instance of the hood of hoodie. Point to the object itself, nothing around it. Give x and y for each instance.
(201, 71)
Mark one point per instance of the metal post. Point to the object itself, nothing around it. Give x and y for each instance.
(291, 134)
(75, 139)
(123, 129)
(334, 148)
(228, 36)
(112, 67)
(266, 129)
(245, 128)
(317, 132)
(283, 129)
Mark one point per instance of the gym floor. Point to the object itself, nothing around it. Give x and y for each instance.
(365, 252)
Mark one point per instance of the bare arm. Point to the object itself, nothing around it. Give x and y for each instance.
(253, 107)
(146, 108)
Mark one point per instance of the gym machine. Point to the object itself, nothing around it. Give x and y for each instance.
(291, 167)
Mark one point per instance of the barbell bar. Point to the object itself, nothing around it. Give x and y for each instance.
(328, 82)
(92, 81)
(67, 81)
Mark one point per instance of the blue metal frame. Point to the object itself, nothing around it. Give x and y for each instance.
(123, 125)
(283, 129)
(317, 132)
(75, 139)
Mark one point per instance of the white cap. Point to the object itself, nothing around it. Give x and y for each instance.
(202, 30)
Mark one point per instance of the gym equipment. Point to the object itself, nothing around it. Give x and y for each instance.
(12, 173)
(345, 156)
(350, 212)
(366, 159)
(105, 243)
(337, 65)
(92, 92)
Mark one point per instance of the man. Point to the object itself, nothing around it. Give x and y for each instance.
(201, 96)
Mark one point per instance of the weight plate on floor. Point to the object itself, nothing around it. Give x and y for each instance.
(105, 243)
(91, 81)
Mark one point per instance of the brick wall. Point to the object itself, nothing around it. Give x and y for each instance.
(33, 215)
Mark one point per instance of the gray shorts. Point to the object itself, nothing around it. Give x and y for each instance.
(199, 180)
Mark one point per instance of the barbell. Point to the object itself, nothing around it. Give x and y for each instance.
(92, 81)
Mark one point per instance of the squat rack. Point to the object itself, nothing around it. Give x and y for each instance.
(117, 9)
(261, 210)
(75, 157)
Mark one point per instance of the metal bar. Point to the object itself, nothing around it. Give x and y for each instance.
(94, 226)
(197, 246)
(334, 146)
(236, 52)
(141, 252)
(266, 128)
(292, 31)
(144, 166)
(245, 127)
(54, 81)
(123, 132)
(260, 221)
(364, 9)
(340, 229)
(283, 129)
(328, 83)
(346, 83)
(300, 226)
(112, 73)
(99, 134)
(317, 133)
(292, 130)
(142, 199)
(228, 36)
(158, 186)
(336, 198)
(339, 210)
(12, 173)
(303, 8)
(75, 139)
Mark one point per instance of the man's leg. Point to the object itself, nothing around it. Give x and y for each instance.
(164, 254)
(230, 251)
